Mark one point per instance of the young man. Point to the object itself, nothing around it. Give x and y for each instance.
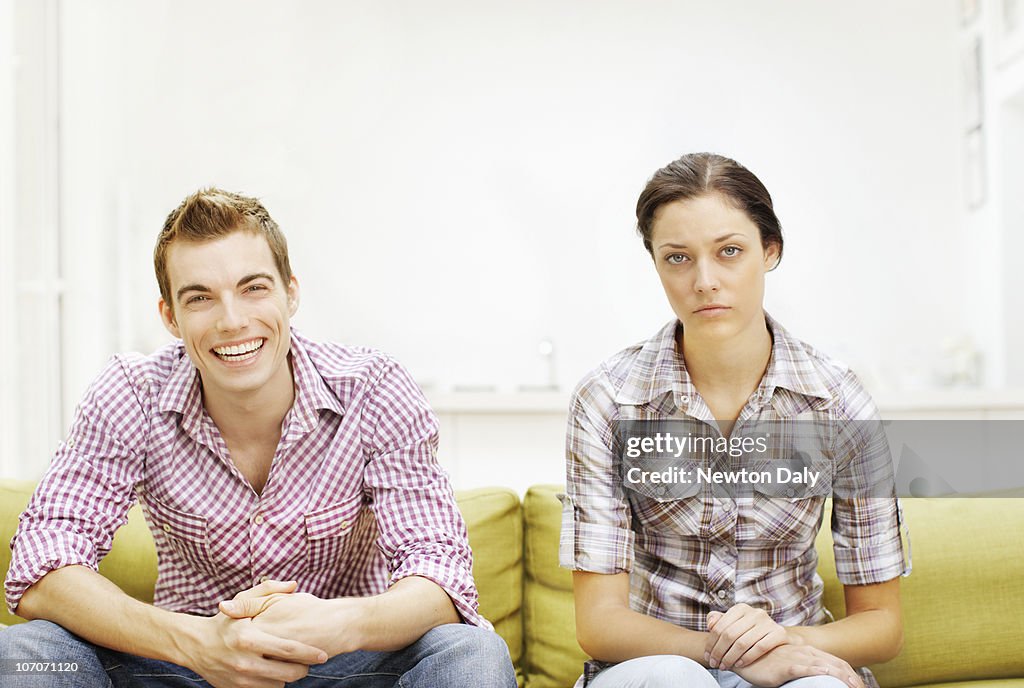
(303, 525)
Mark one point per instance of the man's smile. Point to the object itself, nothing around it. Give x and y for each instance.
(239, 352)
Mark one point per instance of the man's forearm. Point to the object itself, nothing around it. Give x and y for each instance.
(87, 604)
(399, 617)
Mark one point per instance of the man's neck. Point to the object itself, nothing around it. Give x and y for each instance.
(253, 417)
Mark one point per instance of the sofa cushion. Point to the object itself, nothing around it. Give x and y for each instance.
(495, 522)
(552, 657)
(963, 605)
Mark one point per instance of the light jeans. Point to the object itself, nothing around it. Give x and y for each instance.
(672, 671)
(448, 656)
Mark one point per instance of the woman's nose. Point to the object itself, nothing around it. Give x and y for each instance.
(707, 278)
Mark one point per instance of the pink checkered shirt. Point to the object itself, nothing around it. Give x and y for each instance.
(691, 556)
(355, 499)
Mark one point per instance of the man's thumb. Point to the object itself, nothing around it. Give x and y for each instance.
(241, 608)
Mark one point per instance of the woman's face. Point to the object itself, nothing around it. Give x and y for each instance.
(711, 263)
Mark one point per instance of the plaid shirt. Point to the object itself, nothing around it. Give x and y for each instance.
(355, 499)
(690, 556)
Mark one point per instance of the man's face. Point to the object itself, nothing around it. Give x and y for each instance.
(711, 263)
(231, 309)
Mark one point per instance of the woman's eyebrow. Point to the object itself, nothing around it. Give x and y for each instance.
(714, 241)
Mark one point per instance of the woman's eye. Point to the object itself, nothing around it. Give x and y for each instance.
(675, 258)
(731, 251)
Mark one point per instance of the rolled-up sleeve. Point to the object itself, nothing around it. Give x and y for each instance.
(422, 532)
(867, 520)
(596, 527)
(86, 493)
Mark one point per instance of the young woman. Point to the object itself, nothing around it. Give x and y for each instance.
(712, 589)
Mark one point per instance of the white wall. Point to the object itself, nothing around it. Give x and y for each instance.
(8, 339)
(457, 179)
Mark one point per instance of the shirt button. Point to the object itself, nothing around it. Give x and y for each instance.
(685, 400)
(264, 579)
(258, 520)
(721, 594)
(344, 525)
(727, 506)
(71, 443)
(167, 528)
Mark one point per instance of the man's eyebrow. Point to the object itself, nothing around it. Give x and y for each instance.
(255, 276)
(244, 280)
(191, 287)
(714, 241)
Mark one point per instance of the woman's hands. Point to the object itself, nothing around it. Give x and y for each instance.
(747, 641)
(788, 662)
(742, 635)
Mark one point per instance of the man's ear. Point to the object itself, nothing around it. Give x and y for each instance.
(293, 296)
(167, 317)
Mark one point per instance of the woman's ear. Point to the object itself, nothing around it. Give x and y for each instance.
(772, 256)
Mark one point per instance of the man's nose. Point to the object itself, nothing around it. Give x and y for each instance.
(232, 315)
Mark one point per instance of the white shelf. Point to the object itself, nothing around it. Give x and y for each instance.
(950, 399)
(557, 402)
(492, 403)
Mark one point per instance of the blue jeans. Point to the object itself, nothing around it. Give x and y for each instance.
(672, 671)
(445, 657)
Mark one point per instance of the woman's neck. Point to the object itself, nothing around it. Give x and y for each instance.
(733, 366)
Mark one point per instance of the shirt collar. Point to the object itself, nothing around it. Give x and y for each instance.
(311, 391)
(791, 367)
(181, 392)
(659, 369)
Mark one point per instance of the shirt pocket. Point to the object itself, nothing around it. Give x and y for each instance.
(776, 519)
(328, 533)
(670, 509)
(187, 535)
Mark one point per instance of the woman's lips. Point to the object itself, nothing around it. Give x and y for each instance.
(711, 309)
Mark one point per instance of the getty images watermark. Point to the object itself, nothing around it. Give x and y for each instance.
(682, 447)
(814, 457)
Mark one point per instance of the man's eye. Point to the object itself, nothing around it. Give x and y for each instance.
(256, 287)
(196, 299)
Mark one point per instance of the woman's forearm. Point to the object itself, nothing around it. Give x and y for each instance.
(615, 634)
(868, 637)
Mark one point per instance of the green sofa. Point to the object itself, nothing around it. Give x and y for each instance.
(963, 605)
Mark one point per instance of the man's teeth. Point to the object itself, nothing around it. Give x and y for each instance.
(239, 349)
